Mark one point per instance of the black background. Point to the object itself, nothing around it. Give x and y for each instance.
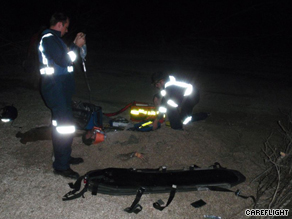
(247, 26)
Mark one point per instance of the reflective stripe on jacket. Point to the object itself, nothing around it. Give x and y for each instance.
(174, 93)
(53, 54)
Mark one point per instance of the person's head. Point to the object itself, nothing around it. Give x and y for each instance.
(88, 137)
(158, 79)
(93, 136)
(60, 22)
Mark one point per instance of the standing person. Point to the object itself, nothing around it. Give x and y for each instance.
(176, 99)
(57, 88)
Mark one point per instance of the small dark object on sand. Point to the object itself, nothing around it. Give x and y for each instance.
(125, 157)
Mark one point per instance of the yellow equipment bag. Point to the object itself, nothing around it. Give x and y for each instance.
(143, 111)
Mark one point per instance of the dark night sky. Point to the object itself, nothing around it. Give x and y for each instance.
(192, 15)
(151, 20)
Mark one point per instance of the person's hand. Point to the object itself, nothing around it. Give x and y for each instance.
(155, 124)
(80, 39)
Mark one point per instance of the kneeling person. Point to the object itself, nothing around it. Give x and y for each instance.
(176, 99)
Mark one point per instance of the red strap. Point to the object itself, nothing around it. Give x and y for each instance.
(120, 111)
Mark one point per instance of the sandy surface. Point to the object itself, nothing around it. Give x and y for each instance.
(244, 112)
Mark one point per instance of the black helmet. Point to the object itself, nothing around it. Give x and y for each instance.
(9, 113)
(157, 76)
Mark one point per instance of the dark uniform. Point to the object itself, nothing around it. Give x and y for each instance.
(178, 101)
(57, 88)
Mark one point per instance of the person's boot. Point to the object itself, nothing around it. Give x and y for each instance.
(75, 160)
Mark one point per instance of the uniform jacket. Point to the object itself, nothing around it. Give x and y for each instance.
(58, 87)
(53, 52)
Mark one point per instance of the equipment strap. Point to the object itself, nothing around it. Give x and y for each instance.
(217, 165)
(135, 207)
(86, 79)
(237, 192)
(76, 187)
(120, 111)
(157, 205)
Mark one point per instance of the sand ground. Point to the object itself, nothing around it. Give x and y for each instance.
(245, 102)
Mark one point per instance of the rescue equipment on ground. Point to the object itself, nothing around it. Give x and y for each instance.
(142, 112)
(138, 111)
(9, 113)
(128, 156)
(87, 115)
(146, 126)
(119, 122)
(122, 181)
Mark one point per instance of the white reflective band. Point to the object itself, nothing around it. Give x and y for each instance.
(54, 122)
(41, 49)
(66, 129)
(47, 71)
(172, 78)
(47, 35)
(187, 120)
(163, 93)
(45, 61)
(50, 70)
(162, 109)
(172, 81)
(189, 90)
(172, 103)
(70, 68)
(72, 56)
(5, 120)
